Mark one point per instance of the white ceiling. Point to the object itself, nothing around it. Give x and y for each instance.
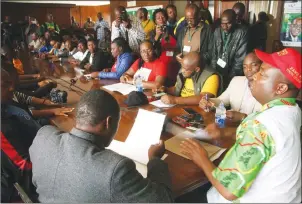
(78, 3)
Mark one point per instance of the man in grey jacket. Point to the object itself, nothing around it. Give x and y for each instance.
(76, 167)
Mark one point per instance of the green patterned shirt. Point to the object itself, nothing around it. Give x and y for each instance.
(254, 147)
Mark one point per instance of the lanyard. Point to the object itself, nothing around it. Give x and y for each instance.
(190, 36)
(226, 44)
(146, 24)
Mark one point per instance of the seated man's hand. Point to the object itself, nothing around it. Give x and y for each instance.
(235, 116)
(62, 111)
(205, 104)
(48, 102)
(179, 58)
(95, 74)
(214, 131)
(193, 150)
(156, 150)
(168, 99)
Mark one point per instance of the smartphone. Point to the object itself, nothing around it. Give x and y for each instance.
(190, 111)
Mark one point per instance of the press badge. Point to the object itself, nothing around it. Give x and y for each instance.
(187, 48)
(169, 53)
(221, 63)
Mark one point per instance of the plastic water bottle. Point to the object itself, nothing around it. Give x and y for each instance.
(220, 115)
(139, 83)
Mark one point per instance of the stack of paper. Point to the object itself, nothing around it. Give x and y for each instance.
(124, 89)
(173, 145)
(142, 135)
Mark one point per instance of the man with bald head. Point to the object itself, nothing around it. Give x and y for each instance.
(196, 36)
(195, 80)
(264, 164)
(230, 47)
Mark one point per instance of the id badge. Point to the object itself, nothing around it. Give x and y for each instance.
(169, 53)
(187, 48)
(221, 63)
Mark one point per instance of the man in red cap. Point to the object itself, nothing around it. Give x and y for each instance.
(264, 164)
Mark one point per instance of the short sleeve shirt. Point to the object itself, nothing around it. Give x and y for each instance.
(254, 147)
(157, 67)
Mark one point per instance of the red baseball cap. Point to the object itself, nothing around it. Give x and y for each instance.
(287, 60)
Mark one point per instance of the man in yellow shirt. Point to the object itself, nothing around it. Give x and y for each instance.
(195, 81)
(147, 24)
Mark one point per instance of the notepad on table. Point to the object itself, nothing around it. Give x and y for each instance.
(123, 88)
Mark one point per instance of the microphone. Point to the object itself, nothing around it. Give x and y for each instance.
(73, 81)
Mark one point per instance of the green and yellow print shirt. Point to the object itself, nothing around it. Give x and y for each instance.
(254, 147)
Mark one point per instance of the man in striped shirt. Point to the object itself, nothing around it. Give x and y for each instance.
(128, 27)
(99, 27)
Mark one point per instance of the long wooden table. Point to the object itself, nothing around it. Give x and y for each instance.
(186, 176)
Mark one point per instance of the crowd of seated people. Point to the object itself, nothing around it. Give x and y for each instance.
(194, 60)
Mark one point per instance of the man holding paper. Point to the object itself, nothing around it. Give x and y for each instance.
(80, 169)
(195, 81)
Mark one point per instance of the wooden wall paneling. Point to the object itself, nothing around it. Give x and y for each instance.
(220, 6)
(75, 12)
(17, 11)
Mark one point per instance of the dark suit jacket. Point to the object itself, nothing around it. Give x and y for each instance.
(99, 61)
(75, 167)
(285, 37)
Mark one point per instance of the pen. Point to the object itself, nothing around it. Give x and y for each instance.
(207, 108)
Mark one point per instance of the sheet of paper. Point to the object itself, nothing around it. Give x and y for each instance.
(160, 104)
(173, 145)
(124, 89)
(142, 135)
(147, 129)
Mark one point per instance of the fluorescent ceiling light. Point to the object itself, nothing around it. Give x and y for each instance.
(78, 3)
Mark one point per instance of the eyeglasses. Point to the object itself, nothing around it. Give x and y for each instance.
(296, 26)
(146, 51)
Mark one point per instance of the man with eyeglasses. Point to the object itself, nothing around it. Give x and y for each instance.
(294, 34)
(230, 47)
(196, 36)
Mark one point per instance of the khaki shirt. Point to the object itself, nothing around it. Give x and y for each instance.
(194, 42)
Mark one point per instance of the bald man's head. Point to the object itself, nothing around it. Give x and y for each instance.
(191, 63)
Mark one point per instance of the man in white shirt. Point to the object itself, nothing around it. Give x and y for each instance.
(238, 95)
(81, 54)
(264, 164)
(129, 28)
(35, 44)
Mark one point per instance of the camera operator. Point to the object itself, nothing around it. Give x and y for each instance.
(128, 27)
(165, 44)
